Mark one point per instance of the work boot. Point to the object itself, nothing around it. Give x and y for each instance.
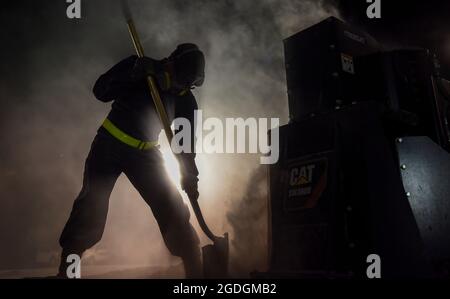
(193, 266)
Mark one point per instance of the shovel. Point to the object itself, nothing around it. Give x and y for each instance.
(215, 256)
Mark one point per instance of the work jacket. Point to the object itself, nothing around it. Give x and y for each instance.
(133, 111)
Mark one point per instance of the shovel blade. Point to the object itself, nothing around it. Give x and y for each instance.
(215, 258)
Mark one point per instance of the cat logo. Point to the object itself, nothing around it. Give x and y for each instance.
(305, 182)
(302, 176)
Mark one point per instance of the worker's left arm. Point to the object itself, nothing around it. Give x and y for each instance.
(185, 108)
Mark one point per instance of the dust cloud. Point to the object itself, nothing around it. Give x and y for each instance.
(49, 118)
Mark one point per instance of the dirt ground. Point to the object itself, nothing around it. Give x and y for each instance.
(102, 272)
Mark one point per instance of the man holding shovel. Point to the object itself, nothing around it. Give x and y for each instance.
(127, 142)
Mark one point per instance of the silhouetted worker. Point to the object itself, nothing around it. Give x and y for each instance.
(127, 142)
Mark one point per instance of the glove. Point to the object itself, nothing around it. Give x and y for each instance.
(189, 175)
(142, 68)
(189, 184)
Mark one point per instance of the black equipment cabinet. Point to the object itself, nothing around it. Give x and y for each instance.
(337, 196)
(364, 166)
(320, 68)
(331, 65)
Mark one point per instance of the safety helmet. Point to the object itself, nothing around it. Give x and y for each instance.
(189, 64)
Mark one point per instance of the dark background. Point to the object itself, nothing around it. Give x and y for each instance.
(48, 115)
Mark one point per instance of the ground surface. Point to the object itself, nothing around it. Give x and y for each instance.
(98, 272)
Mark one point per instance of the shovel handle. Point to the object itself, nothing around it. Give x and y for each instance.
(160, 109)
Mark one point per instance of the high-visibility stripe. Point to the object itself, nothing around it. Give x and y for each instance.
(127, 139)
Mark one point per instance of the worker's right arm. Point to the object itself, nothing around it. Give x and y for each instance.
(116, 82)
